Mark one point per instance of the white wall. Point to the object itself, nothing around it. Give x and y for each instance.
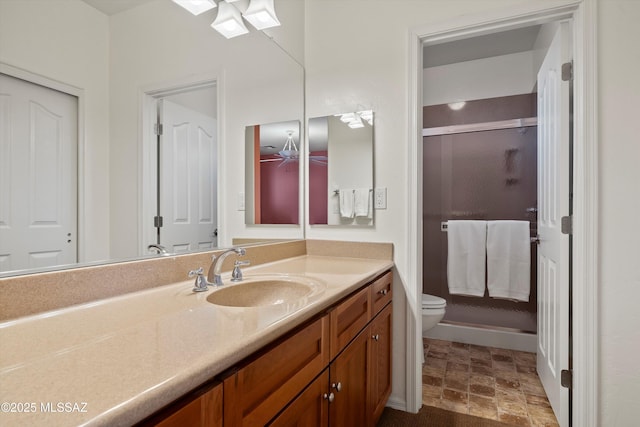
(41, 37)
(497, 76)
(619, 100)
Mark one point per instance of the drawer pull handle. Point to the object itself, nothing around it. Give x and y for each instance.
(328, 397)
(383, 292)
(337, 386)
(375, 337)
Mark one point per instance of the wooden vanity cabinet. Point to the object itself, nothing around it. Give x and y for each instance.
(200, 408)
(380, 363)
(261, 387)
(356, 386)
(335, 370)
(349, 382)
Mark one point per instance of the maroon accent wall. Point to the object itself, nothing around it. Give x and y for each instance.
(279, 185)
(318, 190)
(489, 175)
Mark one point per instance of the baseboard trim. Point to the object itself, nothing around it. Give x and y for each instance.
(485, 337)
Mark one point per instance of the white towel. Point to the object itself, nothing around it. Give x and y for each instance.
(362, 197)
(509, 260)
(466, 258)
(346, 203)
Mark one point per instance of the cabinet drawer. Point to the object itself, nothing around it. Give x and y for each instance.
(381, 292)
(259, 390)
(348, 319)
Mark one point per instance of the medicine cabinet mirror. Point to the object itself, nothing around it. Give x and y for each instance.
(341, 169)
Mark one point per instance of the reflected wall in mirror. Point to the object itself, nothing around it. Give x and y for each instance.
(341, 169)
(272, 173)
(112, 59)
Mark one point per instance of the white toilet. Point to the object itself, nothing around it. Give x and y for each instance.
(433, 309)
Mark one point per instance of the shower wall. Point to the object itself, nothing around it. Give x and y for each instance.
(487, 175)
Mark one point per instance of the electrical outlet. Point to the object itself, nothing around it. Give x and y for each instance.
(240, 201)
(380, 198)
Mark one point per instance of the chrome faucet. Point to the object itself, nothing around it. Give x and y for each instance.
(160, 250)
(216, 265)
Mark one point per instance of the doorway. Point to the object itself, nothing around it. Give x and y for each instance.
(584, 369)
(181, 210)
(489, 175)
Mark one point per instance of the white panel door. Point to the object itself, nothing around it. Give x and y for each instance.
(553, 200)
(38, 175)
(188, 199)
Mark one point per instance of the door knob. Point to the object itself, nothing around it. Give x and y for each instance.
(328, 397)
(337, 386)
(375, 337)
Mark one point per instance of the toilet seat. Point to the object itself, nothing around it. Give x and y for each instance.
(432, 301)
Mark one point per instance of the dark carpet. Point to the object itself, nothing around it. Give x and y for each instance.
(434, 417)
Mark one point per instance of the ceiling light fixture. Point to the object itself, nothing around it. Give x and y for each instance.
(290, 149)
(261, 14)
(229, 22)
(196, 6)
(456, 105)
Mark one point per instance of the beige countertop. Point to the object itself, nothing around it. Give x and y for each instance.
(117, 360)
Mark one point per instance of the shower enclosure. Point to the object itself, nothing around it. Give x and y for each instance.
(479, 163)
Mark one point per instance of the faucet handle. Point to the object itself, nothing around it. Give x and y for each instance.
(200, 284)
(236, 274)
(193, 273)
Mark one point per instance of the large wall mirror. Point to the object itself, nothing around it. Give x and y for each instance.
(272, 173)
(341, 169)
(125, 64)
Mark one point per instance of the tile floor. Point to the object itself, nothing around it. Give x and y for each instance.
(486, 382)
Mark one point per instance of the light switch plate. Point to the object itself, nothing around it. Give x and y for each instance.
(380, 198)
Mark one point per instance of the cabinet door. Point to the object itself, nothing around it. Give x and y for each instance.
(203, 411)
(349, 382)
(260, 389)
(310, 409)
(348, 319)
(380, 362)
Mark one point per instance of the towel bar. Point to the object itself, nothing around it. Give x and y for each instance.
(444, 226)
(336, 192)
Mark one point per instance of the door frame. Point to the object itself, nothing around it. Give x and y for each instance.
(585, 185)
(149, 96)
(78, 93)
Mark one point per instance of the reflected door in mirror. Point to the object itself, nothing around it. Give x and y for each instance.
(188, 201)
(38, 152)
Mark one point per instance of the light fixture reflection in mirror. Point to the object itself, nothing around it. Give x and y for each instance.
(272, 173)
(341, 169)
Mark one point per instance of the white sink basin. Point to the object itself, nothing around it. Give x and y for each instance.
(266, 290)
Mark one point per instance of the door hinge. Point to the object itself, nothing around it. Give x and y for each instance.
(566, 378)
(157, 128)
(566, 225)
(157, 221)
(567, 71)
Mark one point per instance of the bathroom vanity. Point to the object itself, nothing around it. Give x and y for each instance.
(168, 356)
(333, 369)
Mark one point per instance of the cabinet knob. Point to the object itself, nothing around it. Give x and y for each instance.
(328, 397)
(375, 337)
(337, 386)
(383, 292)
